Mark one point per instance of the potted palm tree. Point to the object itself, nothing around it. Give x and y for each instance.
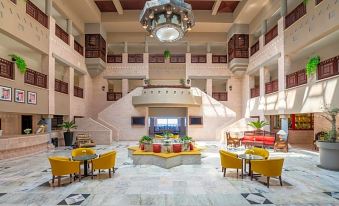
(258, 125)
(68, 135)
(329, 146)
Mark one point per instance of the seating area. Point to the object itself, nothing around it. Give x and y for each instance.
(258, 138)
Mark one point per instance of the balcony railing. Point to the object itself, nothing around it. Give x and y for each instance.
(269, 36)
(78, 48)
(6, 69)
(61, 86)
(219, 59)
(178, 58)
(198, 58)
(36, 78)
(36, 13)
(328, 68)
(59, 32)
(255, 92)
(220, 96)
(114, 96)
(95, 46)
(135, 58)
(294, 15)
(296, 79)
(156, 58)
(255, 48)
(271, 87)
(114, 58)
(78, 92)
(238, 46)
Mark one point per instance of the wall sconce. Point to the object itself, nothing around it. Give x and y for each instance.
(230, 87)
(103, 88)
(188, 81)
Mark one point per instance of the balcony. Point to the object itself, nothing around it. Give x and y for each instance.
(78, 92)
(270, 35)
(219, 59)
(295, 15)
(296, 79)
(178, 58)
(114, 96)
(59, 32)
(198, 59)
(36, 13)
(255, 92)
(115, 59)
(255, 48)
(6, 69)
(220, 96)
(328, 68)
(78, 48)
(156, 58)
(136, 58)
(271, 87)
(61, 86)
(35, 78)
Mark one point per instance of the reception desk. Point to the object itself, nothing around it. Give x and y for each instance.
(13, 146)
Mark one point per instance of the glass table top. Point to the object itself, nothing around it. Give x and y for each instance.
(250, 157)
(85, 157)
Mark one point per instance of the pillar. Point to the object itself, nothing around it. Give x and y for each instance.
(125, 47)
(284, 122)
(48, 67)
(49, 123)
(264, 27)
(262, 81)
(70, 75)
(283, 7)
(208, 48)
(124, 87)
(188, 47)
(209, 86)
(48, 7)
(146, 47)
(69, 26)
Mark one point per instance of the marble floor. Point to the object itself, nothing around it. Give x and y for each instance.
(25, 181)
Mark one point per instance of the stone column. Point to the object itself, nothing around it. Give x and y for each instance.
(188, 47)
(146, 47)
(124, 87)
(262, 102)
(264, 27)
(70, 74)
(284, 122)
(283, 7)
(49, 123)
(125, 47)
(69, 27)
(209, 86)
(48, 7)
(48, 67)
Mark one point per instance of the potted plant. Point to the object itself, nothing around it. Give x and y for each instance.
(167, 134)
(329, 146)
(166, 146)
(146, 82)
(68, 135)
(182, 82)
(258, 125)
(312, 66)
(27, 130)
(146, 143)
(186, 141)
(20, 62)
(167, 54)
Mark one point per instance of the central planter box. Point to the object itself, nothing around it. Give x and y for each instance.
(329, 155)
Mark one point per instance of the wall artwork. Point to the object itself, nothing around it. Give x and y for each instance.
(5, 93)
(19, 96)
(31, 98)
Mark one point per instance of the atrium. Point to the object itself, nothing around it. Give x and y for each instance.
(169, 102)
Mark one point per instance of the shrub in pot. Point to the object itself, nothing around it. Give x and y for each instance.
(186, 141)
(68, 134)
(146, 143)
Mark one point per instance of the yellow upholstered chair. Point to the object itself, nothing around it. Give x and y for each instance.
(63, 166)
(230, 160)
(82, 151)
(268, 168)
(105, 161)
(258, 151)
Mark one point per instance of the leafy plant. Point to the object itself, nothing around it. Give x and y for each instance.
(146, 140)
(331, 116)
(167, 54)
(147, 81)
(20, 62)
(186, 139)
(258, 124)
(312, 65)
(69, 125)
(167, 134)
(305, 2)
(182, 81)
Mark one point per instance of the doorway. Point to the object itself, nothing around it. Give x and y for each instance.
(26, 122)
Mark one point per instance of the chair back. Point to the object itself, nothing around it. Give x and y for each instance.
(82, 151)
(229, 160)
(58, 165)
(105, 161)
(258, 151)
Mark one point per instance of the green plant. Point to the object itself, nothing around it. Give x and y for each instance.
(146, 139)
(182, 81)
(186, 139)
(312, 65)
(27, 131)
(331, 116)
(167, 54)
(167, 134)
(305, 2)
(258, 124)
(20, 62)
(69, 125)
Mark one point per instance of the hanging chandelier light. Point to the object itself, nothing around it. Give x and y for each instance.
(168, 20)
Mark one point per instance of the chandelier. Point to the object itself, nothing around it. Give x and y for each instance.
(168, 20)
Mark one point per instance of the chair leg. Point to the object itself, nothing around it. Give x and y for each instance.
(281, 184)
(92, 172)
(237, 173)
(109, 173)
(70, 178)
(53, 177)
(59, 181)
(268, 182)
(224, 172)
(251, 176)
(113, 170)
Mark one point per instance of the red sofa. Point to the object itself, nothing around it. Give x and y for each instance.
(264, 139)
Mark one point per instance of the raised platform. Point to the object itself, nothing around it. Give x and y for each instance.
(164, 160)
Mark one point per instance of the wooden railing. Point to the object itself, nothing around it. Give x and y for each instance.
(78, 92)
(61, 86)
(178, 58)
(114, 58)
(271, 87)
(270, 35)
(78, 48)
(238, 46)
(114, 96)
(294, 15)
(328, 68)
(135, 58)
(59, 32)
(219, 59)
(156, 58)
(36, 78)
(255, 92)
(318, 2)
(296, 79)
(6, 69)
(36, 13)
(95, 46)
(255, 48)
(220, 96)
(198, 58)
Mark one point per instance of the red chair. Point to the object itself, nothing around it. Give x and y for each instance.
(176, 148)
(156, 148)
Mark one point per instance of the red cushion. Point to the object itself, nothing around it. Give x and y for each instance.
(247, 138)
(259, 138)
(268, 143)
(268, 138)
(156, 148)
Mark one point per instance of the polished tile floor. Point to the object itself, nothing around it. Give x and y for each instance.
(25, 181)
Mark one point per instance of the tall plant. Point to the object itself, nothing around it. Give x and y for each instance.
(167, 54)
(69, 125)
(258, 124)
(20, 62)
(312, 65)
(331, 116)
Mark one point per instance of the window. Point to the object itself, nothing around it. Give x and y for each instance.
(57, 120)
(163, 122)
(138, 121)
(196, 120)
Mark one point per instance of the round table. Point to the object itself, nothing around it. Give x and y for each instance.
(85, 159)
(248, 157)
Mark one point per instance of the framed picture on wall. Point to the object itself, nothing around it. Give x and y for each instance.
(5, 93)
(31, 98)
(19, 96)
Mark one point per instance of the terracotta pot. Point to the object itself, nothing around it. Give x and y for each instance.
(191, 146)
(142, 146)
(156, 148)
(176, 148)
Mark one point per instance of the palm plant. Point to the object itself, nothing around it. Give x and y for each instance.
(258, 124)
(69, 125)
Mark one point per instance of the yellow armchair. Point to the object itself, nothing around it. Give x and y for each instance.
(105, 161)
(258, 151)
(82, 151)
(63, 166)
(268, 168)
(230, 160)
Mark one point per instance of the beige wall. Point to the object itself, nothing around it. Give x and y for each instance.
(11, 123)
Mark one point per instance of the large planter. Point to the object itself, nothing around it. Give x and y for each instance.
(329, 155)
(68, 137)
(148, 147)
